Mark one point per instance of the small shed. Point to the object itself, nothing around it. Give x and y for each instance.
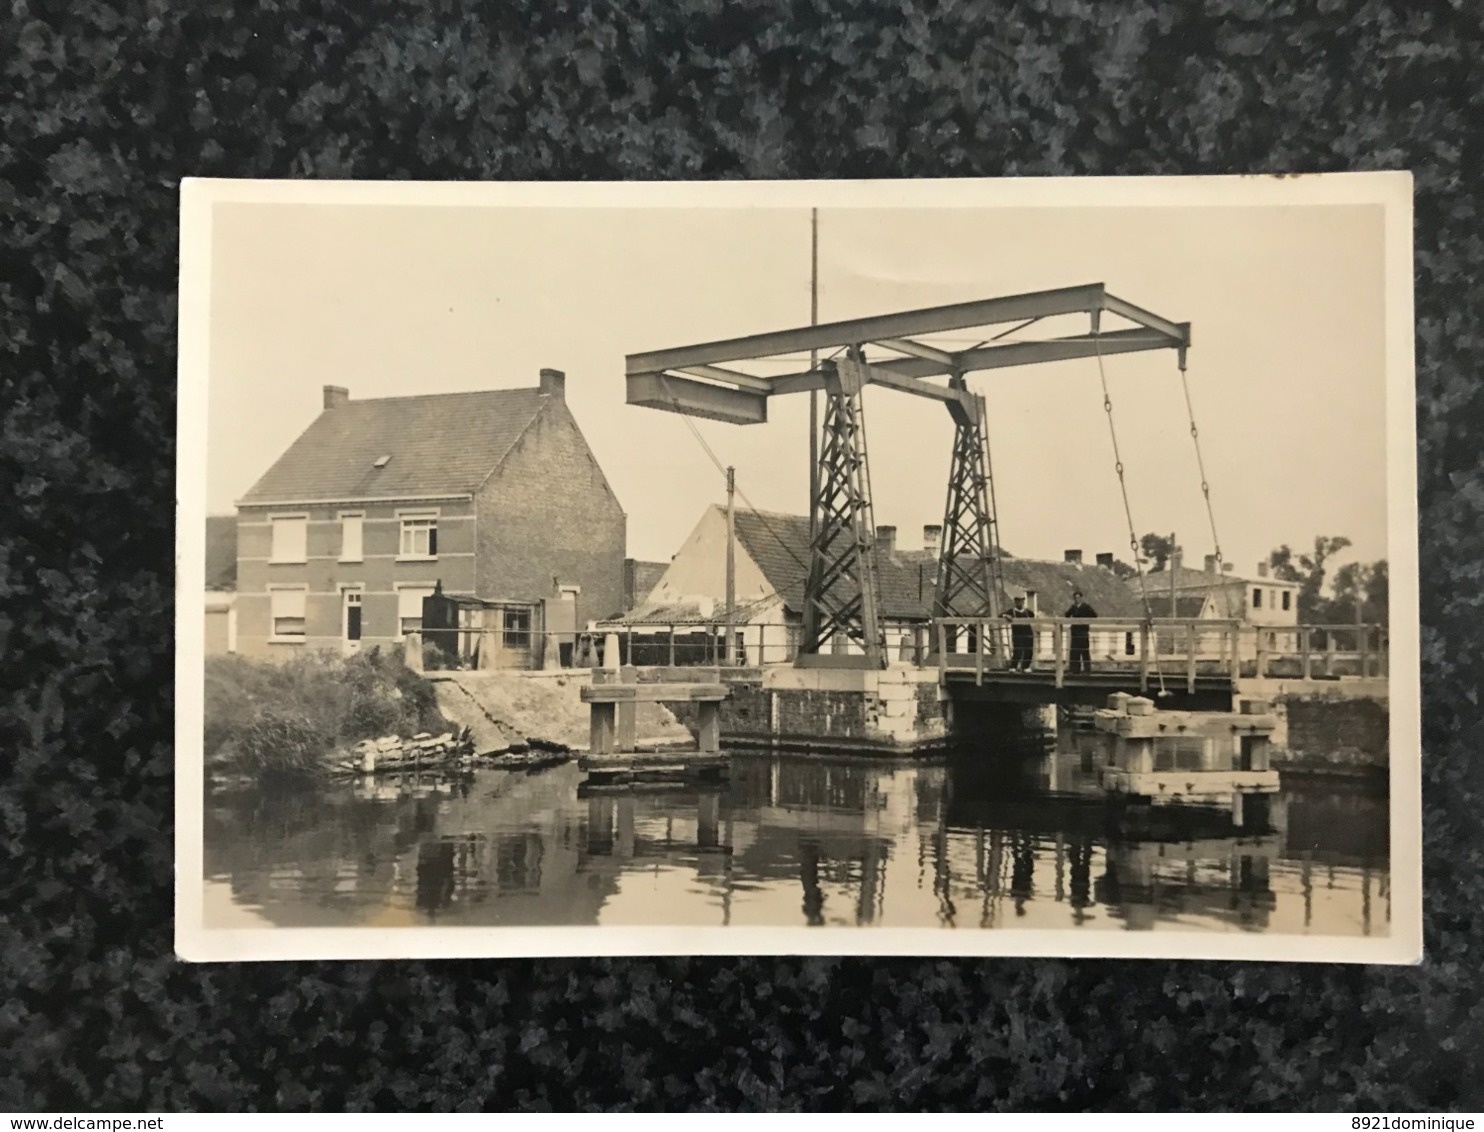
(461, 631)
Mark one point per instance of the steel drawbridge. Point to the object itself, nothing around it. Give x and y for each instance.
(903, 351)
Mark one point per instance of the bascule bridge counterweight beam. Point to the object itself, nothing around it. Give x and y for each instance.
(842, 600)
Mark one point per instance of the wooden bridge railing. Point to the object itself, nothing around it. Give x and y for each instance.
(1162, 650)
(1315, 650)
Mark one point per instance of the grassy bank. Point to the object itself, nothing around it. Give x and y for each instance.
(268, 720)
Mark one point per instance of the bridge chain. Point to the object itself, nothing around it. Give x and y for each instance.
(1200, 463)
(1133, 537)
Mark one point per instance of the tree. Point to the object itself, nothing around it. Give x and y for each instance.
(1308, 571)
(1365, 585)
(1122, 569)
(1158, 549)
(1281, 563)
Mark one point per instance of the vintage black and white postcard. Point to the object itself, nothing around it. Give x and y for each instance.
(960, 567)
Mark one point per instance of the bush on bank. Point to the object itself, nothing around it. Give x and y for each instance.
(266, 719)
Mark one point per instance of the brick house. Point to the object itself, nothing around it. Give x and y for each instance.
(493, 497)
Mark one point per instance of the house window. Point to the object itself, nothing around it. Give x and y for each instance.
(351, 542)
(290, 538)
(410, 608)
(1287, 599)
(1256, 598)
(517, 628)
(352, 614)
(419, 536)
(288, 613)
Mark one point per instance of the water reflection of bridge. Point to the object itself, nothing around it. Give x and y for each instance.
(788, 840)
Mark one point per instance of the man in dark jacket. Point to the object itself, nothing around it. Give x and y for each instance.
(1022, 637)
(1081, 658)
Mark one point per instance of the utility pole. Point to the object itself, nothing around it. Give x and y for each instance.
(813, 365)
(1174, 565)
(731, 563)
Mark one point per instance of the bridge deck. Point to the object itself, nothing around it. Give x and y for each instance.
(1208, 690)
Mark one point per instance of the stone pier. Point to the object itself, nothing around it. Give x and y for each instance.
(1212, 759)
(899, 710)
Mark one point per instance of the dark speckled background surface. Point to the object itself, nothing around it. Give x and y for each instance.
(104, 107)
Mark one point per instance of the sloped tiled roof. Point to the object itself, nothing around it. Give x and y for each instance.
(1188, 578)
(1055, 582)
(438, 444)
(779, 544)
(1186, 605)
(221, 552)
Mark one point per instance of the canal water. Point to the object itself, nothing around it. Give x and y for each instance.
(985, 839)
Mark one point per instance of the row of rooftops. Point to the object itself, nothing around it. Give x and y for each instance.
(779, 545)
(447, 445)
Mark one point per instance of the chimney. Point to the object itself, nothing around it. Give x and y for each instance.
(886, 540)
(1105, 560)
(335, 396)
(1175, 557)
(1262, 569)
(554, 384)
(1073, 556)
(932, 535)
(1211, 564)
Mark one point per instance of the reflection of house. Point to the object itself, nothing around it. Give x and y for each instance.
(221, 584)
(495, 495)
(772, 555)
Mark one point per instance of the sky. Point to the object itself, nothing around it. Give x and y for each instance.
(1286, 367)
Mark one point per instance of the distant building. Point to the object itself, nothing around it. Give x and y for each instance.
(772, 555)
(1222, 594)
(494, 495)
(221, 584)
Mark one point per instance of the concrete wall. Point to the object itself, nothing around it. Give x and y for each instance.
(548, 513)
(1334, 733)
(378, 573)
(895, 711)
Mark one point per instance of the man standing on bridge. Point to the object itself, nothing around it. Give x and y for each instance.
(1081, 658)
(1022, 637)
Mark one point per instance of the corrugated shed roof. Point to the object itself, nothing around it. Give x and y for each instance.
(684, 612)
(437, 444)
(221, 552)
(779, 544)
